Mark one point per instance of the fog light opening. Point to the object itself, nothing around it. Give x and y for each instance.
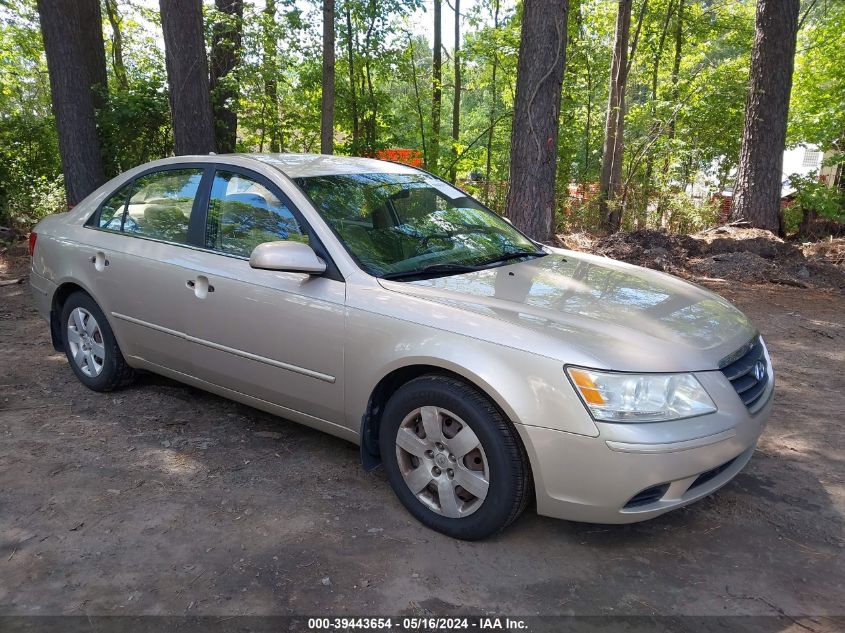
(647, 496)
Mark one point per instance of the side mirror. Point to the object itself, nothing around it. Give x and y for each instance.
(294, 257)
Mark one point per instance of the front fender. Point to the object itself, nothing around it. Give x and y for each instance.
(529, 389)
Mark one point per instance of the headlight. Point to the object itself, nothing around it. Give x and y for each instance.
(617, 397)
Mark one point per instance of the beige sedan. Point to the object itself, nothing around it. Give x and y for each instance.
(380, 304)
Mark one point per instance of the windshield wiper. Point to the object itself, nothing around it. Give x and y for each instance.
(454, 269)
(515, 255)
(433, 269)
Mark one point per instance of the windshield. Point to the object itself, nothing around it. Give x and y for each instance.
(406, 225)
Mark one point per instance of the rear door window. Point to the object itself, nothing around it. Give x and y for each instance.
(160, 204)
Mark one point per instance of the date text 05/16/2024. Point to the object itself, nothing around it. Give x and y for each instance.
(417, 624)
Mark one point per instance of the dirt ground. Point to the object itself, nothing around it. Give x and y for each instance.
(162, 499)
(725, 253)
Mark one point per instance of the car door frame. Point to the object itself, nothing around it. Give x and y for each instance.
(199, 209)
(111, 244)
(204, 197)
(330, 418)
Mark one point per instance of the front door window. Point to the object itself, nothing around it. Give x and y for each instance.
(243, 213)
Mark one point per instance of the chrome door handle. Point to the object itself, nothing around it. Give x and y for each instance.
(99, 260)
(200, 286)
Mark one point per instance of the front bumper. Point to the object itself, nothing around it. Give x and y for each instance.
(600, 479)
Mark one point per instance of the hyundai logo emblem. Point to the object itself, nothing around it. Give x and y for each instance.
(759, 370)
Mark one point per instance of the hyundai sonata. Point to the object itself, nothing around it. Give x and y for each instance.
(382, 305)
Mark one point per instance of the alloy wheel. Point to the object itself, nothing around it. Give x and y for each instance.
(442, 461)
(86, 342)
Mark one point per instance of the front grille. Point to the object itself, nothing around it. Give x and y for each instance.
(647, 496)
(748, 372)
(703, 478)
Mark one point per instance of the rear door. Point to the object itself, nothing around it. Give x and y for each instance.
(275, 336)
(136, 262)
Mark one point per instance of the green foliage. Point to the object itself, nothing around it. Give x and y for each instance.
(687, 215)
(135, 125)
(34, 199)
(817, 108)
(681, 128)
(29, 162)
(816, 198)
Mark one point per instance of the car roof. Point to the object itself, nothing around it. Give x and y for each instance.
(305, 165)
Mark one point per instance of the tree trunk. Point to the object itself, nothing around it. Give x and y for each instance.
(758, 182)
(417, 96)
(91, 32)
(225, 55)
(187, 76)
(588, 126)
(456, 103)
(371, 120)
(436, 91)
(642, 218)
(270, 70)
(670, 135)
(327, 98)
(808, 216)
(118, 65)
(542, 56)
(353, 98)
(610, 180)
(494, 97)
(72, 98)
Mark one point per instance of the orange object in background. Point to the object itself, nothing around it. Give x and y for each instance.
(412, 157)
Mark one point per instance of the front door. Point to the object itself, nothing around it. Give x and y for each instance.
(275, 336)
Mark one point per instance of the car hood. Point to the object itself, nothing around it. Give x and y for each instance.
(616, 315)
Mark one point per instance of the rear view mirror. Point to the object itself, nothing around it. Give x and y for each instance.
(294, 257)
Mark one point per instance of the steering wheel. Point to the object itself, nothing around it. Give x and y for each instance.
(423, 243)
(467, 229)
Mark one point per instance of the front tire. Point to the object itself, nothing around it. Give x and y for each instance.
(90, 345)
(453, 459)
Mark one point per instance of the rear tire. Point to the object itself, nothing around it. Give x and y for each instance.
(455, 462)
(90, 345)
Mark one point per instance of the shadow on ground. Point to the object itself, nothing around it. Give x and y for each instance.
(162, 499)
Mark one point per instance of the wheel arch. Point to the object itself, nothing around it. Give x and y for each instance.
(63, 291)
(398, 376)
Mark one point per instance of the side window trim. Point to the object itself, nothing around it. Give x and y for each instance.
(199, 211)
(129, 190)
(332, 271)
(93, 221)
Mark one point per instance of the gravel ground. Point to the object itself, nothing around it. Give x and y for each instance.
(162, 499)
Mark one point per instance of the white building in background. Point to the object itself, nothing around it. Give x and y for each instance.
(799, 160)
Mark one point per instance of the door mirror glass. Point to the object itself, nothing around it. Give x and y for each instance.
(294, 257)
